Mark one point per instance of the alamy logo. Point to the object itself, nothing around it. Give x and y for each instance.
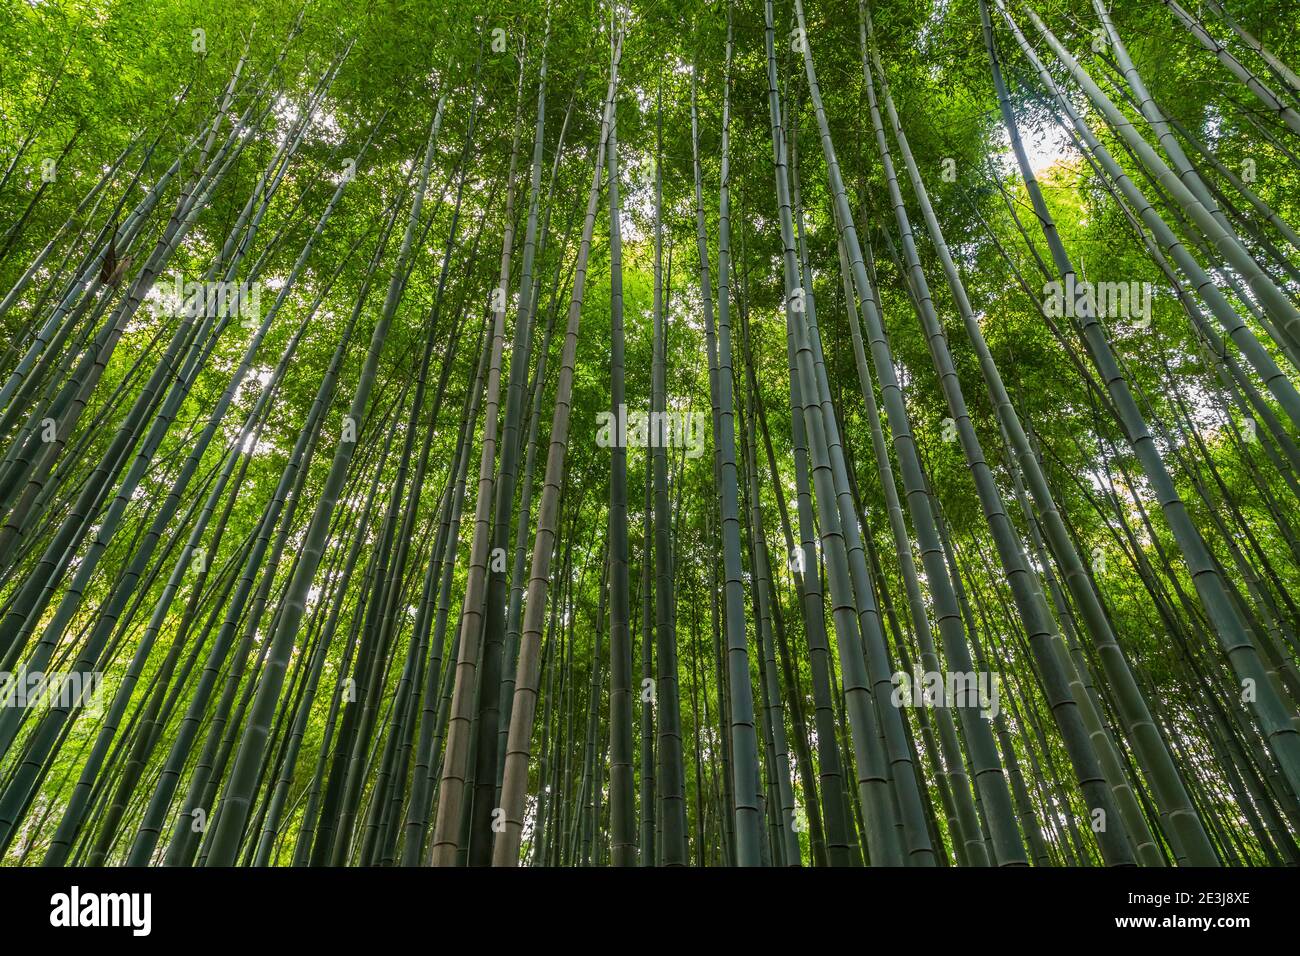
(75, 908)
(217, 299)
(33, 689)
(951, 689)
(651, 430)
(1110, 300)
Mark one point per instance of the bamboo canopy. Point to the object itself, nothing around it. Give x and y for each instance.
(523, 433)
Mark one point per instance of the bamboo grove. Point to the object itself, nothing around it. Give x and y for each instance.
(726, 433)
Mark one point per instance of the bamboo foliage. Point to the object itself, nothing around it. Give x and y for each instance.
(886, 444)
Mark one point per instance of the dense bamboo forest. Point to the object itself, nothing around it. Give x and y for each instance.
(556, 433)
